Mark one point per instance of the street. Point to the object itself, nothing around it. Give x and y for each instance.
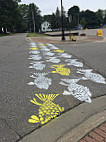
(39, 82)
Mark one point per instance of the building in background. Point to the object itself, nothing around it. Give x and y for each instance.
(45, 27)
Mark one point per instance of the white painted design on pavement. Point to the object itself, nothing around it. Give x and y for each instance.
(74, 62)
(92, 76)
(35, 57)
(52, 46)
(48, 53)
(64, 55)
(80, 92)
(41, 44)
(45, 49)
(41, 81)
(53, 59)
(34, 52)
(37, 65)
(33, 44)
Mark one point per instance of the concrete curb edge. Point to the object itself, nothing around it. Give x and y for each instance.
(68, 124)
(81, 130)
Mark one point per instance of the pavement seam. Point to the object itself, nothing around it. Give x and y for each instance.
(19, 137)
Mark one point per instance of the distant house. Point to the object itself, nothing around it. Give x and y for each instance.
(45, 27)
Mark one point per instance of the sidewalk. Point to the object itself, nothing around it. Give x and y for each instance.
(91, 130)
(57, 40)
(76, 125)
(97, 134)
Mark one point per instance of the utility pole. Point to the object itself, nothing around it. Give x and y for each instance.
(63, 38)
(33, 19)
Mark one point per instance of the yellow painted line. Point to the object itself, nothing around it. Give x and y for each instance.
(42, 44)
(33, 48)
(57, 50)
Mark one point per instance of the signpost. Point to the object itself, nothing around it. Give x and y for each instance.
(63, 37)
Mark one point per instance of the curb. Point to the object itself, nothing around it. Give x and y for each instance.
(46, 40)
(74, 124)
(80, 131)
(28, 39)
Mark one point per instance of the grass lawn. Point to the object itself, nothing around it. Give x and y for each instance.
(1, 35)
(35, 35)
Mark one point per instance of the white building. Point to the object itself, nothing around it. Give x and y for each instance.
(45, 27)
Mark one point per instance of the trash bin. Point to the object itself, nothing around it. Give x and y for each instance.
(99, 33)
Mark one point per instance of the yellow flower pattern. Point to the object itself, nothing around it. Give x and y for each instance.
(61, 70)
(47, 110)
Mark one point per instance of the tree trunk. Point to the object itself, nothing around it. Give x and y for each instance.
(1, 30)
(4, 30)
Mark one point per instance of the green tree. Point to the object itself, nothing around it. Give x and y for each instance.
(83, 22)
(47, 18)
(17, 1)
(53, 21)
(90, 17)
(58, 18)
(104, 20)
(74, 22)
(22, 26)
(74, 12)
(99, 15)
(34, 18)
(9, 14)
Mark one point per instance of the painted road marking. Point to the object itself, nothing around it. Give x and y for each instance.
(34, 52)
(33, 48)
(61, 70)
(35, 57)
(37, 65)
(58, 50)
(64, 55)
(51, 53)
(74, 62)
(40, 80)
(52, 59)
(47, 110)
(92, 76)
(80, 92)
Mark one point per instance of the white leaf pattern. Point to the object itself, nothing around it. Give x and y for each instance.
(64, 55)
(52, 46)
(53, 60)
(41, 81)
(74, 62)
(35, 57)
(92, 76)
(80, 92)
(48, 53)
(34, 52)
(37, 65)
(33, 44)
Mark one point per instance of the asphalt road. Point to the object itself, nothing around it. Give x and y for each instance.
(93, 54)
(18, 68)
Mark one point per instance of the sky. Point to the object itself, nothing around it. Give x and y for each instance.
(49, 6)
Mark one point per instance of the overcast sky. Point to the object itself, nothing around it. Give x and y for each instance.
(49, 6)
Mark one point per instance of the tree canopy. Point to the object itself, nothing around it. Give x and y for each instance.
(16, 17)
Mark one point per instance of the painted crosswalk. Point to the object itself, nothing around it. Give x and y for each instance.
(47, 60)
